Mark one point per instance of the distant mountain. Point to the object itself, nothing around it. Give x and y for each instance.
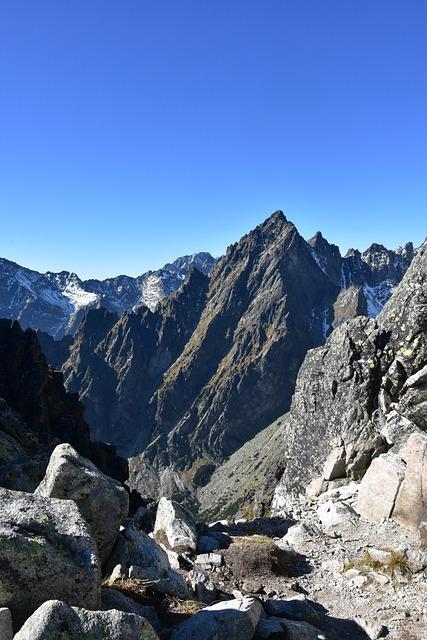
(56, 302)
(216, 362)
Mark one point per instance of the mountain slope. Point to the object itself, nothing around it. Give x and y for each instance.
(56, 302)
(116, 364)
(354, 398)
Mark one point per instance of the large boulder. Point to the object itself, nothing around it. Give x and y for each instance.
(104, 502)
(380, 486)
(235, 619)
(411, 503)
(288, 629)
(296, 608)
(143, 558)
(114, 599)
(56, 620)
(46, 551)
(174, 526)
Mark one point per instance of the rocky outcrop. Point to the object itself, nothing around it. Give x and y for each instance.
(46, 551)
(355, 397)
(36, 413)
(347, 389)
(55, 619)
(72, 477)
(56, 303)
(174, 526)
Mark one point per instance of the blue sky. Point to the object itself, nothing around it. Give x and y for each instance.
(132, 132)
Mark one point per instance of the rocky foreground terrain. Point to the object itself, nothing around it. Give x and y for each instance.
(74, 564)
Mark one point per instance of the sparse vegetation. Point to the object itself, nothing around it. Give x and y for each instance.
(256, 555)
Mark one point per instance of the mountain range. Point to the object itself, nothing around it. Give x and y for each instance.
(185, 384)
(56, 302)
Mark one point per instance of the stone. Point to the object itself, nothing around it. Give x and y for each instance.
(300, 535)
(55, 619)
(6, 631)
(296, 608)
(203, 586)
(235, 619)
(169, 582)
(214, 559)
(115, 599)
(142, 557)
(175, 525)
(289, 629)
(212, 542)
(334, 466)
(104, 502)
(411, 503)
(46, 551)
(374, 630)
(335, 514)
(380, 555)
(380, 486)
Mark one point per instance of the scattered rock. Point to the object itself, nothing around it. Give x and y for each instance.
(176, 525)
(115, 599)
(296, 608)
(214, 559)
(203, 586)
(236, 619)
(55, 619)
(46, 551)
(104, 502)
(289, 629)
(335, 514)
(375, 630)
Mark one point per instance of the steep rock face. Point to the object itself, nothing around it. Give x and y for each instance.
(349, 390)
(117, 364)
(268, 302)
(57, 302)
(36, 413)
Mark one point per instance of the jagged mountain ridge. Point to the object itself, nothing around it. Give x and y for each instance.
(361, 393)
(56, 302)
(268, 301)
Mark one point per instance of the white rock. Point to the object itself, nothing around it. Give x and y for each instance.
(214, 559)
(334, 514)
(176, 524)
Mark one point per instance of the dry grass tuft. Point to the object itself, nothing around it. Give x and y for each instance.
(132, 587)
(256, 555)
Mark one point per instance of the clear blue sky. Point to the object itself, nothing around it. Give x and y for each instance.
(135, 131)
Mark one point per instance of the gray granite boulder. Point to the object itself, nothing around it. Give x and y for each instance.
(55, 620)
(236, 619)
(104, 502)
(46, 551)
(175, 526)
